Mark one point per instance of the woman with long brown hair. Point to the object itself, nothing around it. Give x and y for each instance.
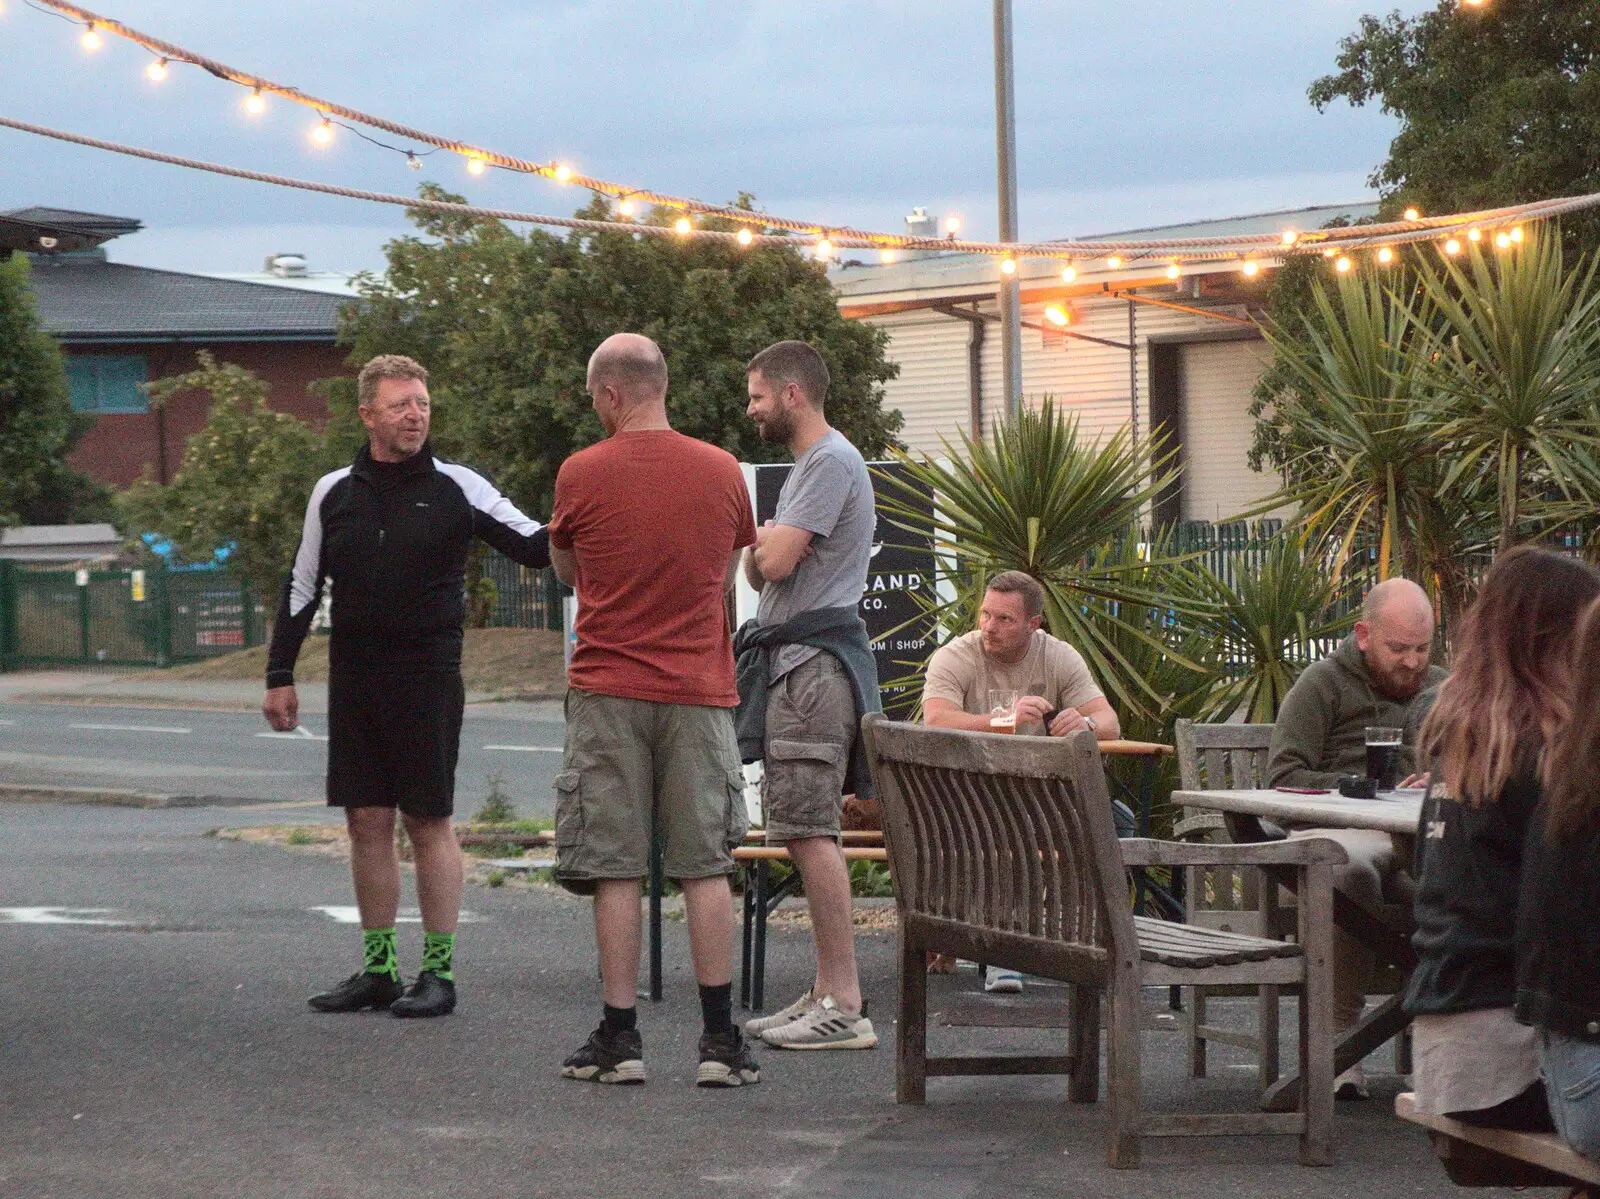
(1483, 742)
(1558, 921)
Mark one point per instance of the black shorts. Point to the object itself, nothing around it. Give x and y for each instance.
(393, 741)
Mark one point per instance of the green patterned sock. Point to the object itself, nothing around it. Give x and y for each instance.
(377, 945)
(438, 952)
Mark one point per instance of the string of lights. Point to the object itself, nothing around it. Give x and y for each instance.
(1174, 252)
(1273, 245)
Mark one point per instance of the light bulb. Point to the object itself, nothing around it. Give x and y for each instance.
(1474, 235)
(255, 103)
(627, 208)
(745, 237)
(563, 173)
(1114, 262)
(413, 161)
(1174, 271)
(823, 248)
(1413, 215)
(1516, 234)
(1008, 266)
(952, 225)
(322, 132)
(682, 225)
(1068, 274)
(1327, 253)
(1250, 268)
(1452, 246)
(1290, 237)
(1343, 265)
(1385, 255)
(888, 256)
(1503, 240)
(476, 165)
(156, 71)
(1057, 315)
(91, 40)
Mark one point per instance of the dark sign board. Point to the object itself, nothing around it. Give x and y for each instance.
(900, 575)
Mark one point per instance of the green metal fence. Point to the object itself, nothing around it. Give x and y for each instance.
(81, 617)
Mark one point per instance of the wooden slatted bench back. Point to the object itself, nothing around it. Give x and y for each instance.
(1004, 842)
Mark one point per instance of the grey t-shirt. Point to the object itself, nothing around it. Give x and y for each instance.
(829, 494)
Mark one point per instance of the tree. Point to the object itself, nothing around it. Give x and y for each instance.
(505, 323)
(1497, 105)
(38, 428)
(244, 479)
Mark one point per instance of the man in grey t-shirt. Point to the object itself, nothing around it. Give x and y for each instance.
(811, 556)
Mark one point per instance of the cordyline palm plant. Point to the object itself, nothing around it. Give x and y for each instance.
(1036, 496)
(1361, 425)
(1514, 366)
(1268, 622)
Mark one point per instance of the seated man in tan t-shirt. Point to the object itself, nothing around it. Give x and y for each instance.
(1010, 652)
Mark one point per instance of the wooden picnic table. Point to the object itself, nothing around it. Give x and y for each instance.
(1393, 812)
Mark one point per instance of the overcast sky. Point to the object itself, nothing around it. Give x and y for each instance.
(1129, 114)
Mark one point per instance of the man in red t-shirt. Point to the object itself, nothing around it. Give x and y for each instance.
(648, 527)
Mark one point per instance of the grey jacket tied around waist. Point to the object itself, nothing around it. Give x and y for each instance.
(837, 631)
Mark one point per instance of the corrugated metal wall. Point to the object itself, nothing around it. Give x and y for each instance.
(1092, 379)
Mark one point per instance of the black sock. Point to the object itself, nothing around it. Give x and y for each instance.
(618, 1019)
(716, 1007)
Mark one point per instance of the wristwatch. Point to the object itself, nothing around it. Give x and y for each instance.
(1092, 726)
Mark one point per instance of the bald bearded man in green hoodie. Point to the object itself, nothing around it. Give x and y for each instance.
(1378, 677)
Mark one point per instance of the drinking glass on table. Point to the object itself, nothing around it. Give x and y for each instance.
(1383, 756)
(1002, 711)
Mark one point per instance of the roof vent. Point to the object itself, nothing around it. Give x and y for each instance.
(287, 266)
(920, 224)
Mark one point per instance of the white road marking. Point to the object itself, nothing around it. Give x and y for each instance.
(299, 734)
(529, 749)
(8, 722)
(352, 915)
(131, 728)
(57, 916)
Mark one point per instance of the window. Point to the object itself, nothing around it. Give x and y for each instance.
(107, 383)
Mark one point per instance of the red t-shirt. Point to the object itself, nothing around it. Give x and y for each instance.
(652, 518)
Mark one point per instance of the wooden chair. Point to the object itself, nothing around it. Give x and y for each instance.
(1003, 851)
(1227, 757)
(1499, 1157)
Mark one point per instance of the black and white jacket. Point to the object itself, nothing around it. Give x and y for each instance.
(393, 538)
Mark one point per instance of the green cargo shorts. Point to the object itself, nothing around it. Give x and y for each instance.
(811, 726)
(629, 762)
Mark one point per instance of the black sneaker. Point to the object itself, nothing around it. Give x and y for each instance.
(430, 995)
(725, 1061)
(614, 1059)
(359, 992)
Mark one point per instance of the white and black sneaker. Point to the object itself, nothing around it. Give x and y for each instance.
(617, 1059)
(757, 1025)
(725, 1061)
(824, 1026)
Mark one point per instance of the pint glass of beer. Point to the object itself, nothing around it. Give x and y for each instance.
(1002, 711)
(1383, 757)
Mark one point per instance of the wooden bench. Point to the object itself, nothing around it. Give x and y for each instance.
(1004, 852)
(1499, 1157)
(761, 899)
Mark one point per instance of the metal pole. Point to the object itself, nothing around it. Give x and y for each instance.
(1006, 154)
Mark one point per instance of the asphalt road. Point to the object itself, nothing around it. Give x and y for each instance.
(234, 757)
(155, 1044)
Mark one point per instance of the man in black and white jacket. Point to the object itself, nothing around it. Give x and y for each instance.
(391, 532)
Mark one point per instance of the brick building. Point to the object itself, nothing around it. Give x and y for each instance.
(124, 325)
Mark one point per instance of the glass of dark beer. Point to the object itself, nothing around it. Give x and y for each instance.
(1383, 757)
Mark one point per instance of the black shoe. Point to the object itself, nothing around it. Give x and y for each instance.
(725, 1061)
(430, 995)
(616, 1059)
(359, 992)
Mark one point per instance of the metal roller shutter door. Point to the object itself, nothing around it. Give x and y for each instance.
(1217, 429)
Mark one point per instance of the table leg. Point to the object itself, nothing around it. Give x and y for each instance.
(746, 948)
